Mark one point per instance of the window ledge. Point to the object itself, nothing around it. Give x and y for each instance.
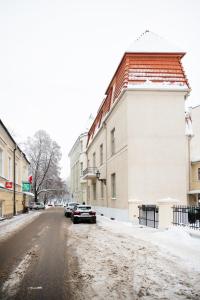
(114, 198)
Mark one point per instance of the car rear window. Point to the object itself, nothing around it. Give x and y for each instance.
(84, 207)
(72, 204)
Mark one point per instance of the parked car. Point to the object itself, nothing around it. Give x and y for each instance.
(32, 205)
(69, 207)
(36, 205)
(40, 205)
(83, 213)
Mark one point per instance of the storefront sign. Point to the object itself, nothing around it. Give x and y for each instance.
(8, 185)
(26, 187)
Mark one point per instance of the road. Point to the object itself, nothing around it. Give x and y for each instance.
(34, 263)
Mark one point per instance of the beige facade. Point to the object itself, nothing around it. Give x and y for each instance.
(136, 149)
(149, 159)
(140, 126)
(78, 163)
(7, 153)
(194, 188)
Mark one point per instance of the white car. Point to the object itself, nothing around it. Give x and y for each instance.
(82, 213)
(69, 207)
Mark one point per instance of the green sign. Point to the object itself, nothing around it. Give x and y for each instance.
(26, 187)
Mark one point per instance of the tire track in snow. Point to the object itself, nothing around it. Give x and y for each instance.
(11, 285)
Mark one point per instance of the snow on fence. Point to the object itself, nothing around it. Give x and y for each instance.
(187, 216)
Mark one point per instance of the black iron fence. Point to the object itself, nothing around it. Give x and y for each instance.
(187, 216)
(148, 215)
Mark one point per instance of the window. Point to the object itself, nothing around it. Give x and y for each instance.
(16, 173)
(81, 168)
(101, 154)
(94, 159)
(81, 146)
(113, 185)
(102, 189)
(9, 168)
(94, 191)
(88, 193)
(198, 173)
(112, 141)
(1, 162)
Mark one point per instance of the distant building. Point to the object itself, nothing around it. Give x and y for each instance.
(10, 152)
(194, 174)
(136, 144)
(78, 162)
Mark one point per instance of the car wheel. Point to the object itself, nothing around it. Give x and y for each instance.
(75, 221)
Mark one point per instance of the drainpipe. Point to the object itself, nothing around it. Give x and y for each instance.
(14, 181)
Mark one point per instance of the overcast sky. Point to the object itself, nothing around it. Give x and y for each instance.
(58, 56)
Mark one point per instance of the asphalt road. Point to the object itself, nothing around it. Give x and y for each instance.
(34, 261)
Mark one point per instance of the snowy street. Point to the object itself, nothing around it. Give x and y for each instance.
(56, 259)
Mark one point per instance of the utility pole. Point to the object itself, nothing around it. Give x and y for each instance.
(14, 181)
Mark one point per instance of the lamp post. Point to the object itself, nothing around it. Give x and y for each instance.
(98, 174)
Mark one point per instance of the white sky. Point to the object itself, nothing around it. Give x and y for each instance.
(58, 56)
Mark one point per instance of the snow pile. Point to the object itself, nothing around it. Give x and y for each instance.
(120, 261)
(10, 226)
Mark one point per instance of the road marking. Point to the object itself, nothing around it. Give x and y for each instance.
(35, 287)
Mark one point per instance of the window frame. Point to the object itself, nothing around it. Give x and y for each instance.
(198, 174)
(101, 154)
(112, 141)
(113, 186)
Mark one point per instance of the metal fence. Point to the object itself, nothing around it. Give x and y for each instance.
(148, 215)
(187, 216)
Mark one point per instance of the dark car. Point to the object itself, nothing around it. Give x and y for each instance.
(83, 213)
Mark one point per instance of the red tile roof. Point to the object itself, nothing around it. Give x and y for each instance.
(138, 68)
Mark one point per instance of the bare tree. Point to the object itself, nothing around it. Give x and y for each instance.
(44, 155)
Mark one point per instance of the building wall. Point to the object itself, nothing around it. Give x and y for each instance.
(195, 141)
(150, 161)
(156, 146)
(77, 158)
(112, 163)
(6, 195)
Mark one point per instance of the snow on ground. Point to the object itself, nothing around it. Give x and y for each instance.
(121, 261)
(10, 226)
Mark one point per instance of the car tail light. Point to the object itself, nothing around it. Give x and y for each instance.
(93, 213)
(76, 213)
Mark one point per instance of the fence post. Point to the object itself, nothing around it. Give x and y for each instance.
(166, 212)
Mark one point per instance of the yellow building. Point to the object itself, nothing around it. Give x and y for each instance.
(13, 168)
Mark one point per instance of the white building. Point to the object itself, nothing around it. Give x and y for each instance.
(194, 174)
(78, 162)
(137, 140)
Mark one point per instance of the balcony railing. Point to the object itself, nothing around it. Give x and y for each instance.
(89, 173)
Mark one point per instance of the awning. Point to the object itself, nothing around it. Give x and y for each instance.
(29, 194)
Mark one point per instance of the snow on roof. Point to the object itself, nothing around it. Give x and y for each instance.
(149, 42)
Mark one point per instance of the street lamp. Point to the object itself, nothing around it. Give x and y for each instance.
(98, 174)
